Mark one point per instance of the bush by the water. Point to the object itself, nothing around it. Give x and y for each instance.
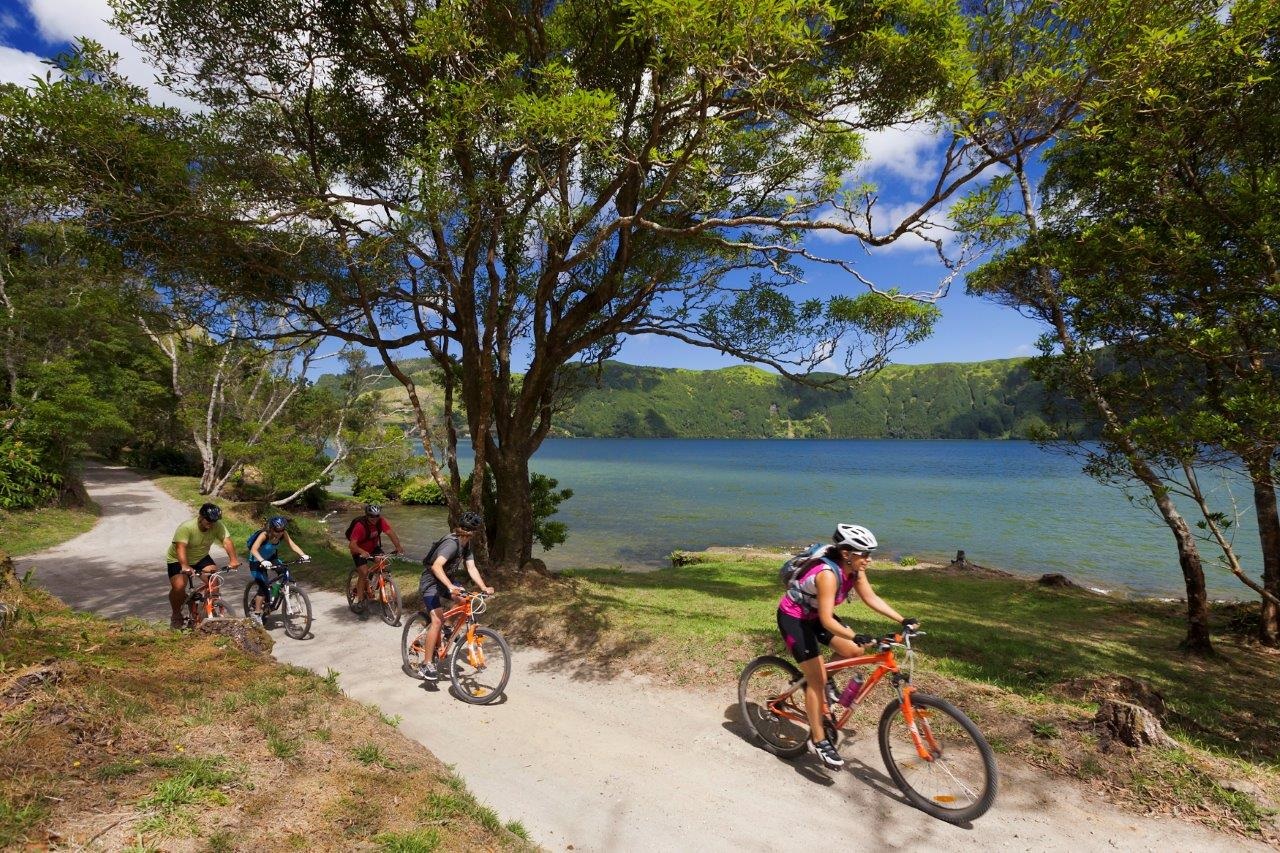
(422, 493)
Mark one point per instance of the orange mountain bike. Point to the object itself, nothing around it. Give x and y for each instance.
(478, 659)
(382, 590)
(935, 753)
(205, 600)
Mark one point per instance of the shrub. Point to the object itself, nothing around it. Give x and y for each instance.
(907, 560)
(422, 493)
(24, 483)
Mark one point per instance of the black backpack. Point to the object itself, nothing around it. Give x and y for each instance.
(352, 526)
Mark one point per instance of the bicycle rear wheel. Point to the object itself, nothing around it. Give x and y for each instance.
(764, 679)
(413, 644)
(479, 670)
(389, 600)
(959, 783)
(295, 606)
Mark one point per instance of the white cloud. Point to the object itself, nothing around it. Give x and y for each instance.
(18, 66)
(1024, 350)
(62, 21)
(909, 152)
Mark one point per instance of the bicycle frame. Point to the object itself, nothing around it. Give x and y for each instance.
(886, 664)
(206, 594)
(463, 613)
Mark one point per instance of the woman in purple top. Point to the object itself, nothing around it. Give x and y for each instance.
(807, 620)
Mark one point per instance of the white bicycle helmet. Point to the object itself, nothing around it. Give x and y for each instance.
(855, 537)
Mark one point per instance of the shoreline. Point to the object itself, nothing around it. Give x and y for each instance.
(971, 570)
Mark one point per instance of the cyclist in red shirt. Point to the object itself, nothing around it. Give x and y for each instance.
(364, 538)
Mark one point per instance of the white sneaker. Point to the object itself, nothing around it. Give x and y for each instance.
(256, 617)
(827, 754)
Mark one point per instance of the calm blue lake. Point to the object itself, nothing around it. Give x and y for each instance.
(1008, 504)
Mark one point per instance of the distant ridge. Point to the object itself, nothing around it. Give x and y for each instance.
(986, 399)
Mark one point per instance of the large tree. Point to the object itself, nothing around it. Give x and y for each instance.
(516, 187)
(1159, 244)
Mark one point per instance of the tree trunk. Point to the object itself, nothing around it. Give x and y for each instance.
(1197, 640)
(1264, 503)
(511, 545)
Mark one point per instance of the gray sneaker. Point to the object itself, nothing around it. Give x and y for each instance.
(256, 617)
(428, 672)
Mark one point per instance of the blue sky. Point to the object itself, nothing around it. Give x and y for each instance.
(970, 329)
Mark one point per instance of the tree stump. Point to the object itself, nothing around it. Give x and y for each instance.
(1057, 581)
(1129, 724)
(535, 566)
(243, 634)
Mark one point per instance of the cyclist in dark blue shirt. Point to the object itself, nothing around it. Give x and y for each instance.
(263, 550)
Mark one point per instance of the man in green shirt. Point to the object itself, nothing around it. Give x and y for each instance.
(189, 552)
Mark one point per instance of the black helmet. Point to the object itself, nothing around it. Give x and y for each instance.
(277, 523)
(210, 513)
(472, 521)
(373, 509)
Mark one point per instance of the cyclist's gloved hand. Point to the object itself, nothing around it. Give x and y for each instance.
(910, 624)
(863, 639)
(266, 564)
(304, 558)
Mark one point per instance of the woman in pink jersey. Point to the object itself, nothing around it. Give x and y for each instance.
(807, 620)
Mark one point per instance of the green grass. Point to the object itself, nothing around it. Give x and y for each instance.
(372, 754)
(16, 819)
(418, 841)
(28, 531)
(705, 621)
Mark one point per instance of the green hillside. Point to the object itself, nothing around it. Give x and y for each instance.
(988, 399)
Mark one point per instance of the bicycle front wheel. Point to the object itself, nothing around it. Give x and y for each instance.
(764, 679)
(479, 669)
(389, 599)
(250, 593)
(355, 603)
(958, 782)
(413, 644)
(296, 607)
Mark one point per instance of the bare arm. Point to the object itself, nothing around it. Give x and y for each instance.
(294, 547)
(474, 571)
(868, 595)
(232, 559)
(182, 555)
(257, 542)
(437, 569)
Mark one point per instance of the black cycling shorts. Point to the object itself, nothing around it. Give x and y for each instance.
(361, 561)
(176, 568)
(804, 637)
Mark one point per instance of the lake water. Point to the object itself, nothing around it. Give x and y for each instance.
(1008, 504)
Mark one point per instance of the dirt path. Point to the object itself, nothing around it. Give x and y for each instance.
(608, 765)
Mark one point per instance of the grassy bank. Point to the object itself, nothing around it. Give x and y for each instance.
(30, 530)
(1022, 659)
(127, 736)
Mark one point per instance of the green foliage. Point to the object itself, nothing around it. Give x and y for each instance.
(545, 498)
(994, 399)
(383, 464)
(23, 482)
(422, 492)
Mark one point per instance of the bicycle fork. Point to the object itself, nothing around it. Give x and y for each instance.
(932, 750)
